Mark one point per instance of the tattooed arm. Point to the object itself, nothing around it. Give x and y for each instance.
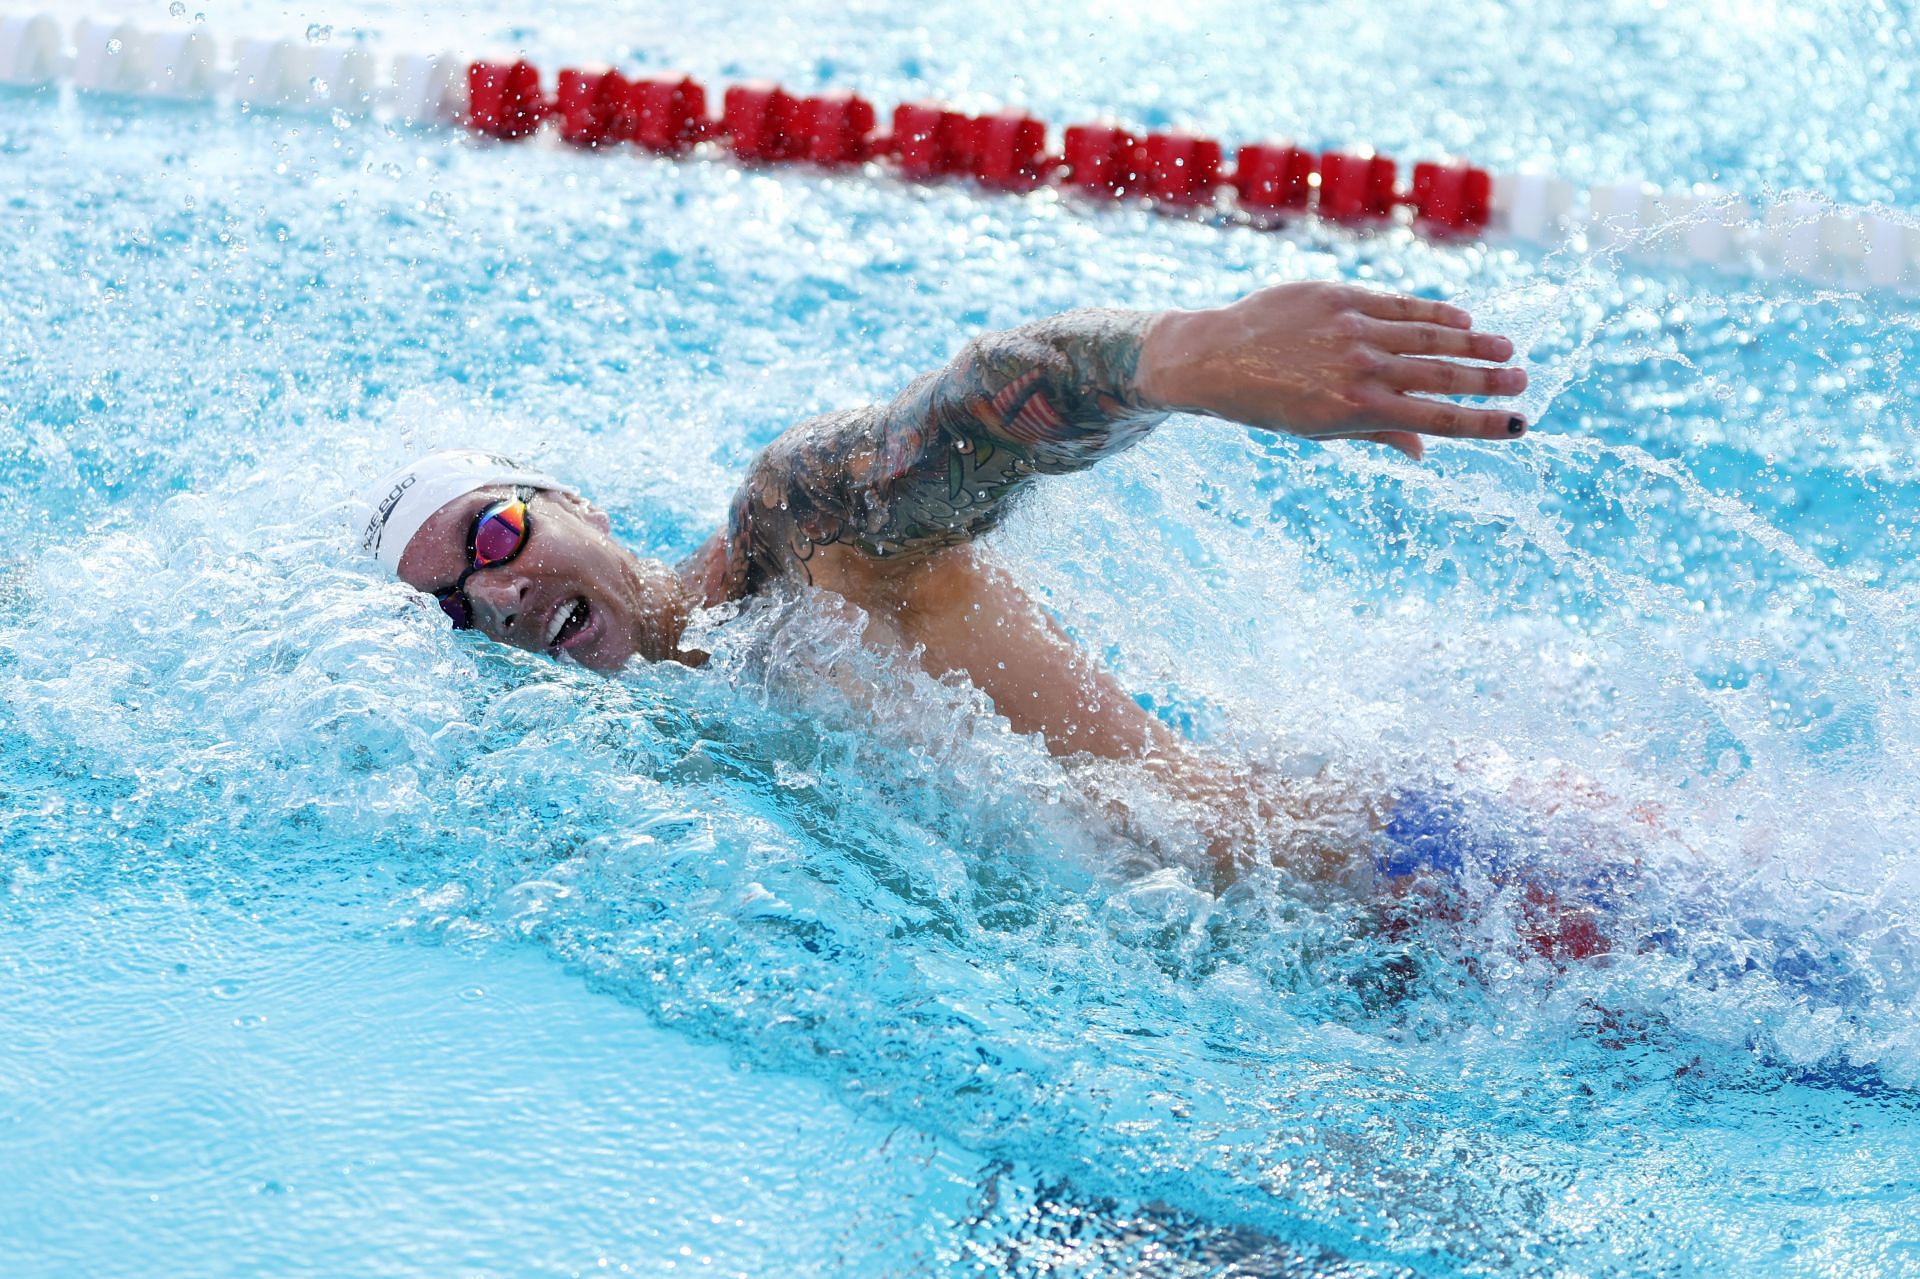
(938, 465)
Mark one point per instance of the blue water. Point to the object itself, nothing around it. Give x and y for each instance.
(333, 941)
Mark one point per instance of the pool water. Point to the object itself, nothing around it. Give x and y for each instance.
(333, 941)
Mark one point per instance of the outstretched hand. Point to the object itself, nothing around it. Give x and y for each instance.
(1333, 361)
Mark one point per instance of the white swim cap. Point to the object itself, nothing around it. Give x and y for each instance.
(392, 510)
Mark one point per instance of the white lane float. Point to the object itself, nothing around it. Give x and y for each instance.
(427, 88)
(106, 56)
(1619, 211)
(1893, 253)
(1714, 225)
(33, 50)
(1535, 207)
(1791, 233)
(122, 57)
(293, 75)
(179, 64)
(342, 77)
(266, 73)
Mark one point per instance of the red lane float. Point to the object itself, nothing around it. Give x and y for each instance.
(1274, 179)
(1009, 151)
(1356, 187)
(583, 106)
(929, 141)
(661, 113)
(764, 124)
(668, 113)
(1182, 169)
(1104, 160)
(504, 101)
(837, 128)
(1451, 197)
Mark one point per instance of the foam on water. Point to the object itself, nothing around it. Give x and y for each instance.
(1683, 601)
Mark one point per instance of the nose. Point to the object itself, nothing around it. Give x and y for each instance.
(499, 597)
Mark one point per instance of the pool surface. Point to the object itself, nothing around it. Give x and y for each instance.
(334, 942)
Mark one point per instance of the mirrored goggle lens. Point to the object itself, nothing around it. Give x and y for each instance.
(454, 605)
(498, 535)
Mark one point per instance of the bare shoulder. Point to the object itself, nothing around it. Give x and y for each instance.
(892, 483)
(801, 493)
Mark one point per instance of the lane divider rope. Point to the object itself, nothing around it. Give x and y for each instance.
(1266, 184)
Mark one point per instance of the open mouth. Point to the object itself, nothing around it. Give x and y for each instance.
(568, 621)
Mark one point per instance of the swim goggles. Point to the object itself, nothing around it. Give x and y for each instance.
(499, 533)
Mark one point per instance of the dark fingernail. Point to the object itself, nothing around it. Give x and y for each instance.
(1516, 426)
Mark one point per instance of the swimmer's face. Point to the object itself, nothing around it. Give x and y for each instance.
(571, 591)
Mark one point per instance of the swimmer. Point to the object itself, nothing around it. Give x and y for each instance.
(883, 506)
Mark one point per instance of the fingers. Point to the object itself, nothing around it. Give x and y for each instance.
(1442, 377)
(1454, 421)
(1395, 306)
(1437, 339)
(1402, 441)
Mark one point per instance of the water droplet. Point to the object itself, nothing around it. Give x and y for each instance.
(114, 47)
(319, 33)
(177, 9)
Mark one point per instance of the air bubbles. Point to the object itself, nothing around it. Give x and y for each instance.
(319, 33)
(177, 9)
